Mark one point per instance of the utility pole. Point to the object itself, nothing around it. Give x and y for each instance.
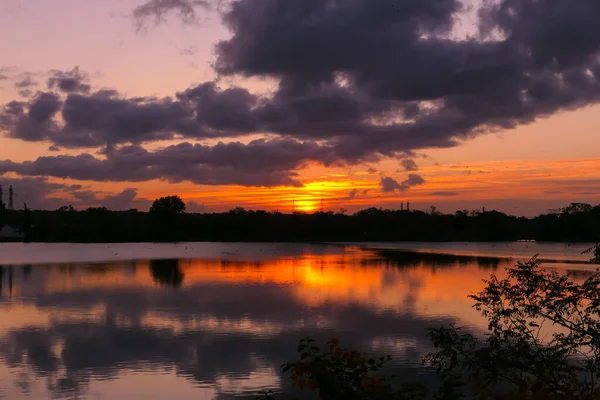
(408, 206)
(11, 205)
(402, 206)
(293, 205)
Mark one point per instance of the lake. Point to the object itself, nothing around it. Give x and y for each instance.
(216, 320)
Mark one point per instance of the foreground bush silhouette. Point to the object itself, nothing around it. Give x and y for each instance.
(543, 342)
(340, 373)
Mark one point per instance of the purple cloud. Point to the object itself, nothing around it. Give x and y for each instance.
(390, 185)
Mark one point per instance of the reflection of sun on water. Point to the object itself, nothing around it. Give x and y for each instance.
(317, 277)
(316, 291)
(313, 280)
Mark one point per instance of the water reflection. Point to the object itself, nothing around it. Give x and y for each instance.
(9, 270)
(117, 330)
(166, 272)
(403, 258)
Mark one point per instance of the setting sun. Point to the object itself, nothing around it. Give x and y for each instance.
(306, 205)
(189, 187)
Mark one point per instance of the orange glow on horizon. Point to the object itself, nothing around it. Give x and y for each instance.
(479, 182)
(561, 181)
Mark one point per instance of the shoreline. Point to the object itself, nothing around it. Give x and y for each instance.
(15, 253)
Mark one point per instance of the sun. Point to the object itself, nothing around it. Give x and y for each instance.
(306, 205)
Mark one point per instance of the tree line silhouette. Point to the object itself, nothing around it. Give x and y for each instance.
(167, 221)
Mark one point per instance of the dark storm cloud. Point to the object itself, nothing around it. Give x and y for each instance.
(43, 107)
(414, 180)
(222, 111)
(353, 194)
(95, 120)
(258, 163)
(194, 207)
(124, 200)
(396, 51)
(25, 86)
(329, 113)
(121, 201)
(307, 41)
(562, 34)
(31, 120)
(25, 83)
(409, 165)
(25, 93)
(389, 185)
(364, 79)
(345, 79)
(157, 10)
(69, 81)
(40, 193)
(104, 118)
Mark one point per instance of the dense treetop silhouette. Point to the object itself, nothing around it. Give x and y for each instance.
(167, 221)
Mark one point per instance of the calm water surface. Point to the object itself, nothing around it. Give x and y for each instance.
(210, 320)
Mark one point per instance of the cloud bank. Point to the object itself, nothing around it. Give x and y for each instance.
(359, 80)
(390, 185)
(39, 193)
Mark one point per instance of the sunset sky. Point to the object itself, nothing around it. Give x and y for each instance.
(268, 103)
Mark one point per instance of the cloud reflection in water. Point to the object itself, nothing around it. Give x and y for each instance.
(209, 327)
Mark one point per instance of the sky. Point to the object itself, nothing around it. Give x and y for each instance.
(301, 104)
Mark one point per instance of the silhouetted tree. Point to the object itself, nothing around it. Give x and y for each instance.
(168, 205)
(98, 210)
(165, 213)
(574, 208)
(167, 222)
